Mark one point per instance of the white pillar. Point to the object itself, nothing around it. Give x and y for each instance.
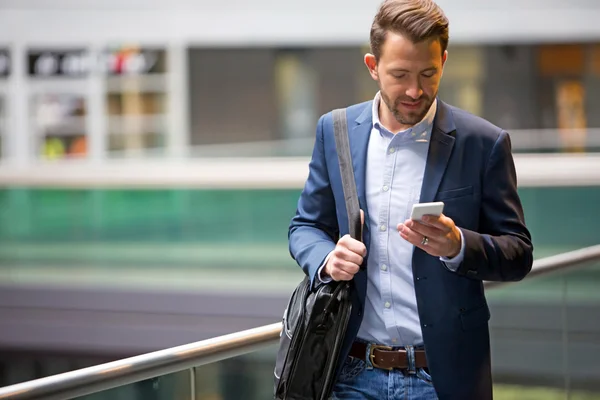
(18, 132)
(178, 120)
(97, 116)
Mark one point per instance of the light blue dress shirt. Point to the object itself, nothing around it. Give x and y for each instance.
(395, 170)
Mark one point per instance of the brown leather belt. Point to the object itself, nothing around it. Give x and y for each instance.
(385, 358)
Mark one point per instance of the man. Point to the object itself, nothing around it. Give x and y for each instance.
(419, 326)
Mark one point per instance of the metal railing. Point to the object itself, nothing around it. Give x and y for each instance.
(146, 366)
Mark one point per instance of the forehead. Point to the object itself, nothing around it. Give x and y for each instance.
(398, 49)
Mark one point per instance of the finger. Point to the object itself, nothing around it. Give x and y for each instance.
(410, 235)
(362, 224)
(349, 268)
(348, 255)
(415, 239)
(425, 230)
(346, 266)
(441, 222)
(339, 275)
(353, 245)
(447, 222)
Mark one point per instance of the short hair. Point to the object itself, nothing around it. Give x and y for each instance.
(419, 20)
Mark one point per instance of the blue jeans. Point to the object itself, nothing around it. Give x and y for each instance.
(359, 380)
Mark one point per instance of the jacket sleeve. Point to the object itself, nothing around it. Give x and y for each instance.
(502, 249)
(314, 231)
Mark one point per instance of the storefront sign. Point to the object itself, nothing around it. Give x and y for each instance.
(134, 61)
(51, 63)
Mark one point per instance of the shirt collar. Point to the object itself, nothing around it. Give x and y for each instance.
(420, 132)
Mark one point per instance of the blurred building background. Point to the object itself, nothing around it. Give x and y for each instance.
(152, 153)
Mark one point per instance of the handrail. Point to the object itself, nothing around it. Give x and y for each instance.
(129, 370)
(560, 262)
(117, 373)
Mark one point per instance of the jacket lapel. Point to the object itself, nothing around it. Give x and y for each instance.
(440, 149)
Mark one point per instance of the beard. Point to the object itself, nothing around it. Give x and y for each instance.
(408, 118)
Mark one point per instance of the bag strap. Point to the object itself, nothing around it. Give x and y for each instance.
(340, 129)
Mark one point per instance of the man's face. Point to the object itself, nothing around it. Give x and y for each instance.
(408, 75)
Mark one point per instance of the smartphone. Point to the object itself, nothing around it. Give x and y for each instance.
(421, 209)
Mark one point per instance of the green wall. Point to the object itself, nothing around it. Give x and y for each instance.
(146, 215)
(38, 224)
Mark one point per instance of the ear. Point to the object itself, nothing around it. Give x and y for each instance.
(371, 63)
(444, 59)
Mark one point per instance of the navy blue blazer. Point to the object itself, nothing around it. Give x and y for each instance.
(470, 168)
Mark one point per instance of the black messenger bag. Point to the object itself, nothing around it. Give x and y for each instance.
(315, 321)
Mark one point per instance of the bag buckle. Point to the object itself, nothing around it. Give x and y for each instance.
(372, 356)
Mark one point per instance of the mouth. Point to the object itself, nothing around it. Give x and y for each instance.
(411, 105)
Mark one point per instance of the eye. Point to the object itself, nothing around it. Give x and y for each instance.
(428, 74)
(400, 76)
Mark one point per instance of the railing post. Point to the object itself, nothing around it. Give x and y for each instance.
(193, 383)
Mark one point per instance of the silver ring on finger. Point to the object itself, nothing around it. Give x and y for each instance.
(425, 241)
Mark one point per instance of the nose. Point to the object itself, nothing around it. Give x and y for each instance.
(414, 91)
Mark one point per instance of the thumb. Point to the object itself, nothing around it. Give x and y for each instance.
(362, 224)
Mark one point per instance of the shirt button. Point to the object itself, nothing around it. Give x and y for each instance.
(384, 267)
(392, 150)
(386, 188)
(387, 304)
(382, 228)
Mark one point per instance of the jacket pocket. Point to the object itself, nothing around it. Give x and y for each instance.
(475, 317)
(454, 193)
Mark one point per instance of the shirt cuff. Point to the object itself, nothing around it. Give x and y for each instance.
(453, 263)
(320, 275)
